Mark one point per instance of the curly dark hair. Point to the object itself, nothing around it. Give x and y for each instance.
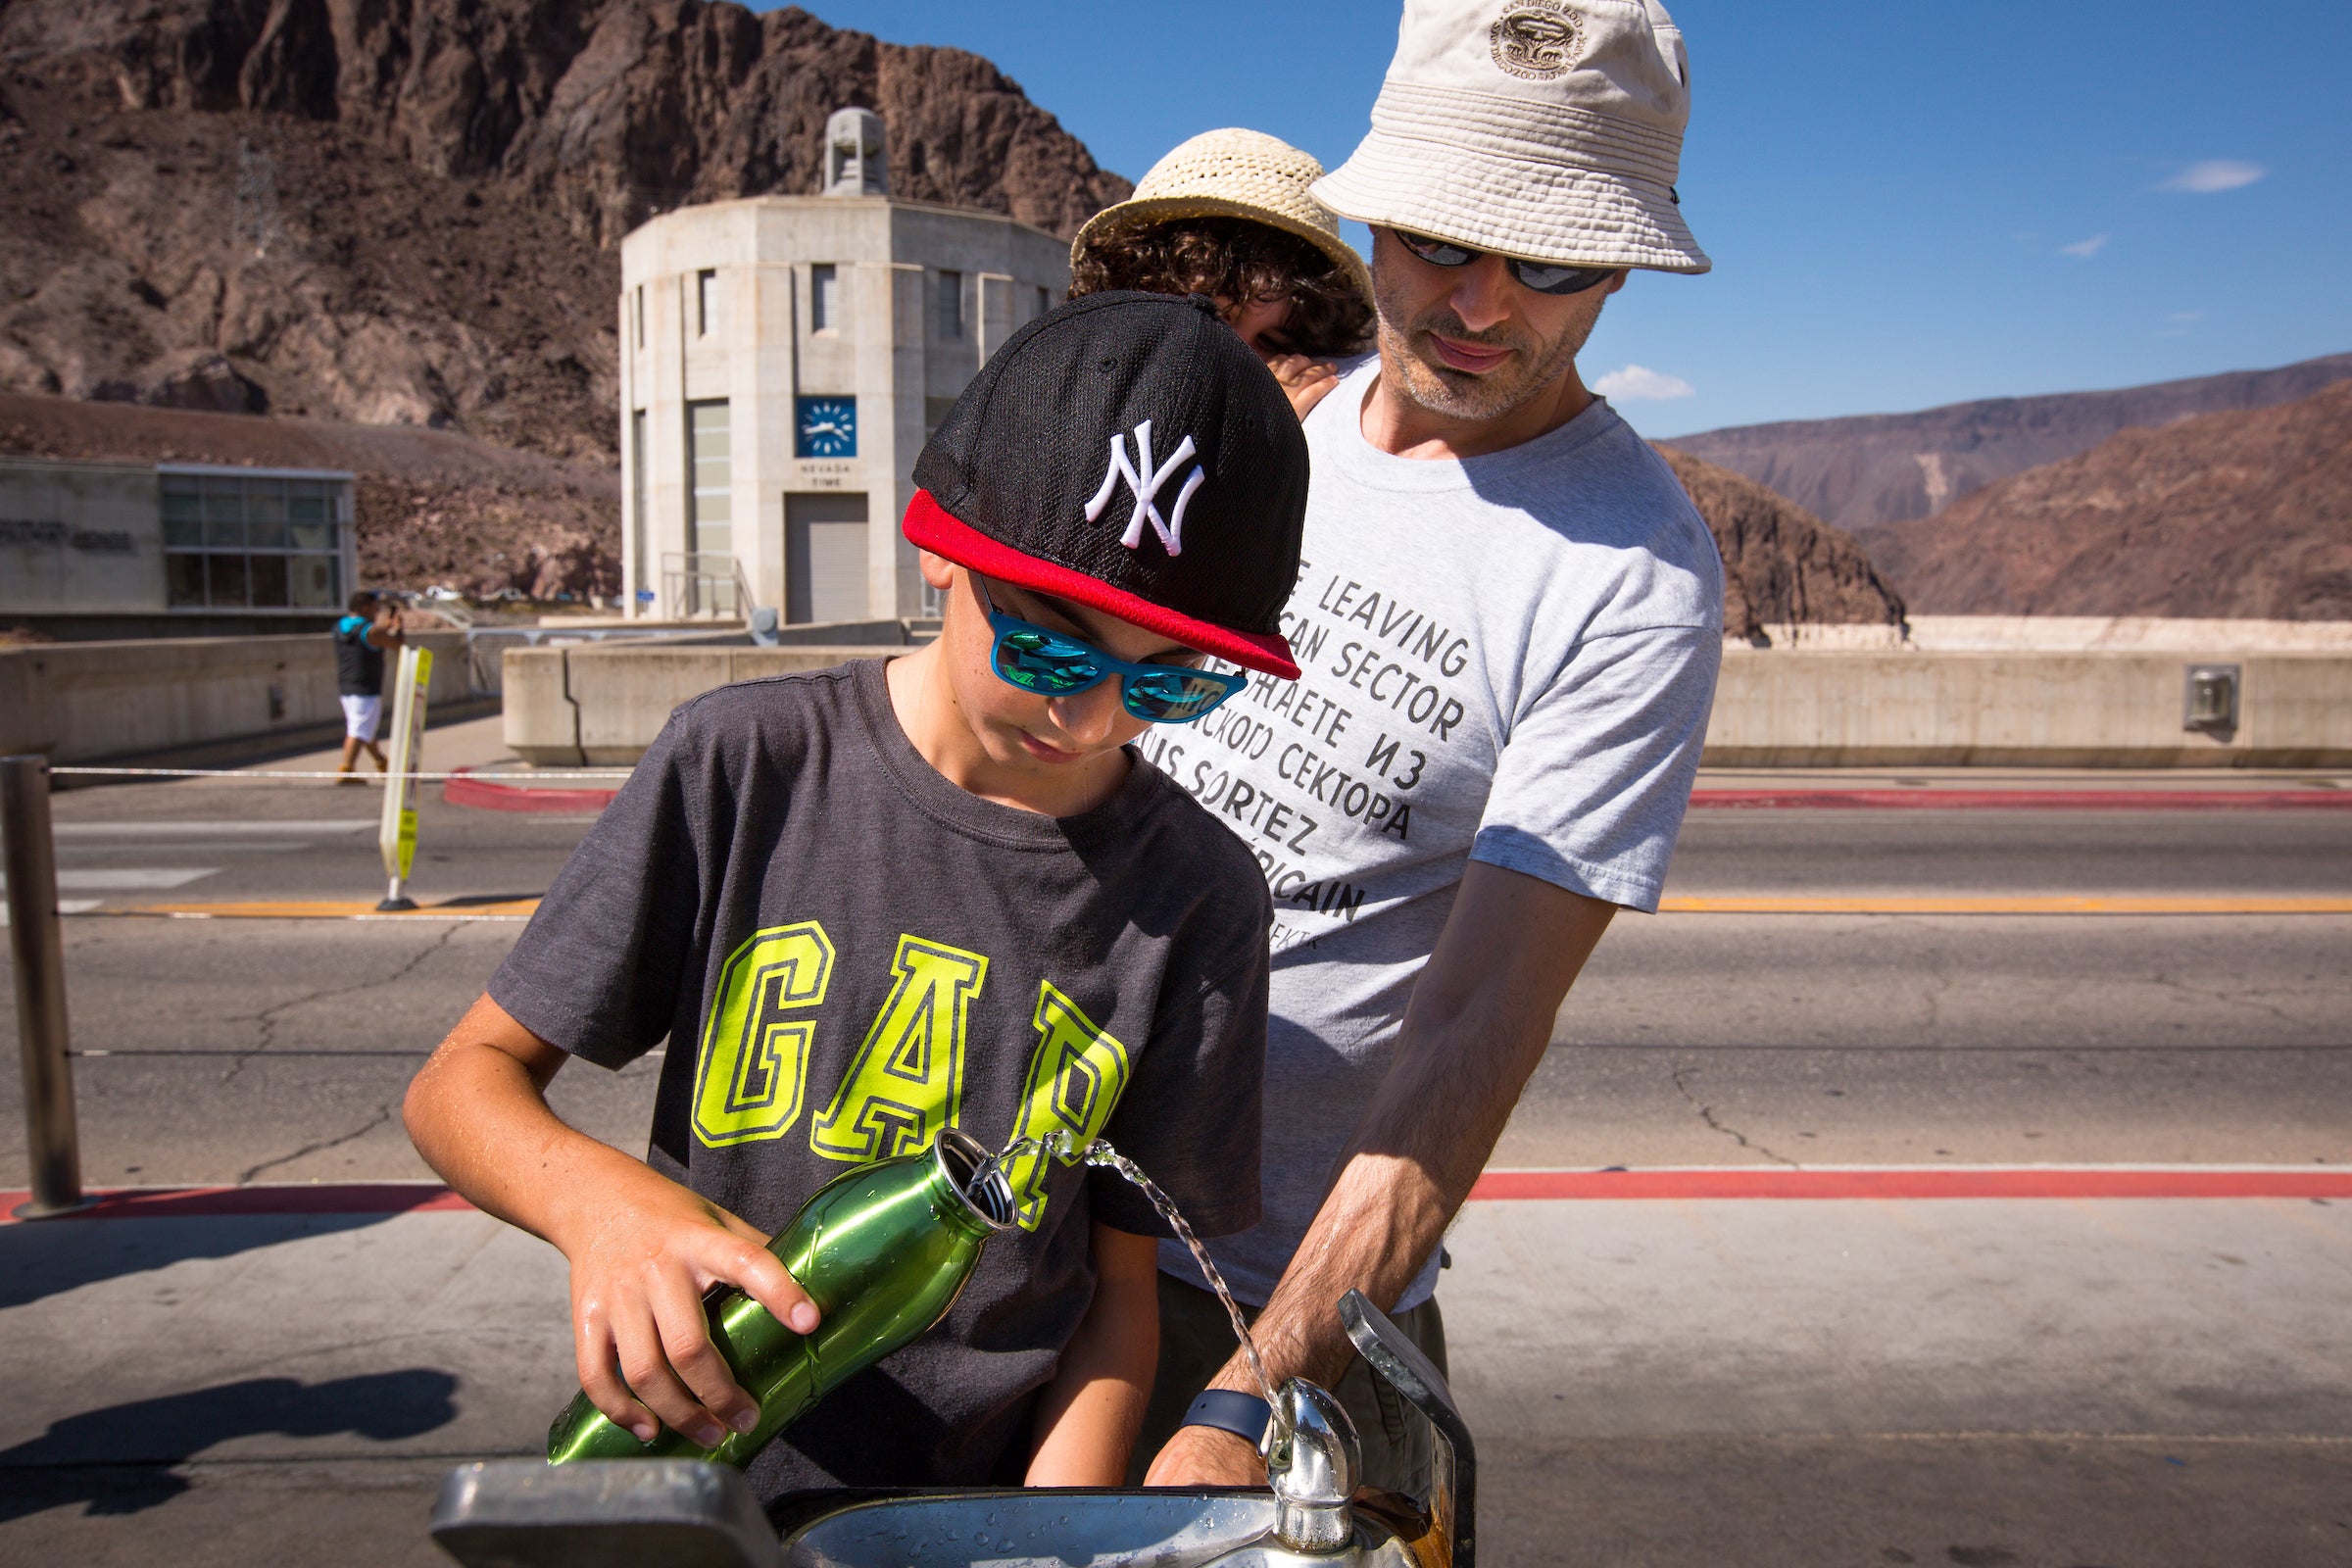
(1234, 259)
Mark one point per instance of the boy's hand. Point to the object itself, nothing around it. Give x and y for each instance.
(1305, 381)
(638, 1278)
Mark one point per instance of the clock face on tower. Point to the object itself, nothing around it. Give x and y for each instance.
(825, 427)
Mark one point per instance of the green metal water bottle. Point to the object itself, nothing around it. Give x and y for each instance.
(883, 1250)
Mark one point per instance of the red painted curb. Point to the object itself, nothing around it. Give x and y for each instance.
(1936, 800)
(490, 795)
(211, 1202)
(1499, 1186)
(1506, 1186)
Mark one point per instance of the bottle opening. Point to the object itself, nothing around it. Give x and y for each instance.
(976, 1177)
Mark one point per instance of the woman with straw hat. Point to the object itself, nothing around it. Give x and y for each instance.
(1227, 214)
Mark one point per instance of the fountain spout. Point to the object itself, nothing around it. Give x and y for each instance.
(1312, 1458)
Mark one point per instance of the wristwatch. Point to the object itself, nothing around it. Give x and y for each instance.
(1244, 1415)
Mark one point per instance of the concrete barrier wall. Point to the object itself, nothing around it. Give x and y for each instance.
(1795, 709)
(603, 705)
(84, 702)
(1776, 708)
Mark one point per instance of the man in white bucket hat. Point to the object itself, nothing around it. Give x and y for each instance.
(1509, 617)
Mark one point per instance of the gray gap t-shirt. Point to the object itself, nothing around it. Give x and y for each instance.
(846, 952)
(1510, 659)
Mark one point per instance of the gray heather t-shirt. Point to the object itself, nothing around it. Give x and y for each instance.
(1510, 659)
(848, 953)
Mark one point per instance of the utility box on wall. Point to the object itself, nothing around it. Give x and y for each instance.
(2208, 699)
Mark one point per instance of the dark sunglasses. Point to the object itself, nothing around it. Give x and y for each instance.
(1542, 276)
(1053, 664)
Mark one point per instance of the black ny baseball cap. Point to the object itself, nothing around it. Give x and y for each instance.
(1129, 452)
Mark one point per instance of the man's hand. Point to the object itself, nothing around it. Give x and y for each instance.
(1480, 1020)
(1206, 1456)
(638, 1278)
(1305, 381)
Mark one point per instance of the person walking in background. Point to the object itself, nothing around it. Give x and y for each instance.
(1227, 215)
(368, 630)
(1509, 619)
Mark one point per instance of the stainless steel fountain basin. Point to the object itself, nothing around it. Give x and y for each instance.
(1043, 1529)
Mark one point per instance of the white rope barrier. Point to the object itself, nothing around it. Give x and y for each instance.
(257, 772)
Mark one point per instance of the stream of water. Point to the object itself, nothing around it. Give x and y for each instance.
(1057, 1145)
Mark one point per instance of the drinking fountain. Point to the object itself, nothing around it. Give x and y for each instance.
(687, 1513)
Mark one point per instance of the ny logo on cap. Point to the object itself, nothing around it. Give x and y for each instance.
(1145, 480)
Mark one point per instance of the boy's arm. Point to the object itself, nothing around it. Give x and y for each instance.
(1091, 1410)
(386, 632)
(643, 1250)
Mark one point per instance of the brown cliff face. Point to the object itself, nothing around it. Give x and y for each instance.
(1782, 565)
(610, 111)
(2227, 515)
(1877, 469)
(405, 211)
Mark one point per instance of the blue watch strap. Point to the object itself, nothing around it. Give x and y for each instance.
(1244, 1415)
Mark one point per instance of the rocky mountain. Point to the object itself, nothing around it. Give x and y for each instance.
(404, 212)
(1857, 474)
(2243, 514)
(1782, 565)
(428, 506)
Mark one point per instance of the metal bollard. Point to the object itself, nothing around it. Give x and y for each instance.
(38, 949)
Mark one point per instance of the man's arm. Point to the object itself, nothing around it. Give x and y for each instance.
(1480, 1020)
(643, 1250)
(1089, 1414)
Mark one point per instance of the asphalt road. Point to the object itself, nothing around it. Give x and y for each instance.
(220, 1050)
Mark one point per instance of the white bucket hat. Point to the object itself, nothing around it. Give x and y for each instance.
(1546, 129)
(1235, 173)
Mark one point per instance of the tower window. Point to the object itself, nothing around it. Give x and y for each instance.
(824, 298)
(951, 304)
(705, 303)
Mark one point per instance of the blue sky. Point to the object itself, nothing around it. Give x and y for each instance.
(1908, 203)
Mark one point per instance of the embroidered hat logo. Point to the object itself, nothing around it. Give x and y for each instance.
(1145, 481)
(1537, 39)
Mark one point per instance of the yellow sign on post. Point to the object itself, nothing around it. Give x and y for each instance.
(397, 837)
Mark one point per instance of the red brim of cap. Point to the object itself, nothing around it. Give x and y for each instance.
(931, 526)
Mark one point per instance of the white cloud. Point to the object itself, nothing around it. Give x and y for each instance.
(2215, 173)
(1635, 381)
(2086, 248)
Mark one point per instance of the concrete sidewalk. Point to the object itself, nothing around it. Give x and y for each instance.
(2162, 1383)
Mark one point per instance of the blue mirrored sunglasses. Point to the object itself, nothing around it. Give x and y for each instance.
(1053, 664)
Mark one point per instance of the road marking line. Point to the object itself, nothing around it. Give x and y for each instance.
(1699, 903)
(241, 829)
(125, 879)
(2003, 904)
(64, 906)
(337, 909)
(205, 1202)
(1918, 1182)
(1820, 1181)
(1801, 798)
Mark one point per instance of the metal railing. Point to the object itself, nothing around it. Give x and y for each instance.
(705, 582)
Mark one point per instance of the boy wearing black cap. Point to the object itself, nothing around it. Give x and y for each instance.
(871, 902)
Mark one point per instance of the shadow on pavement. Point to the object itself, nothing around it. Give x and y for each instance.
(50, 1256)
(84, 1458)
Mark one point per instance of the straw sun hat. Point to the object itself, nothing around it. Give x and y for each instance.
(1234, 174)
(1546, 129)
